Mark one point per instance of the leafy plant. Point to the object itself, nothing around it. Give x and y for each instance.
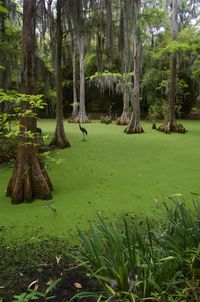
(135, 260)
(34, 295)
(156, 111)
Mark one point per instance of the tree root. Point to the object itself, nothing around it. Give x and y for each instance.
(29, 179)
(123, 119)
(134, 129)
(72, 119)
(172, 127)
(60, 140)
(82, 118)
(106, 120)
(77, 121)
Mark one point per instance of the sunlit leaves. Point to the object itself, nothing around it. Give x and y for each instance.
(20, 106)
(3, 10)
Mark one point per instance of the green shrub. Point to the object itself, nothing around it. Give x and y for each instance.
(8, 149)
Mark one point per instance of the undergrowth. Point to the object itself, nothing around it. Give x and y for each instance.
(128, 260)
(144, 260)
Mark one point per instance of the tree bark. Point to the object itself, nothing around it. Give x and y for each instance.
(74, 55)
(171, 125)
(109, 30)
(29, 179)
(124, 118)
(134, 125)
(75, 99)
(59, 140)
(51, 26)
(82, 117)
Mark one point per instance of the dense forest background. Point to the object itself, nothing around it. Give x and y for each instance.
(106, 28)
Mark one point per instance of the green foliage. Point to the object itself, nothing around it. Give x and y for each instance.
(90, 64)
(155, 17)
(196, 69)
(44, 53)
(35, 295)
(24, 105)
(18, 106)
(177, 47)
(8, 148)
(156, 111)
(53, 94)
(3, 10)
(66, 83)
(190, 35)
(137, 259)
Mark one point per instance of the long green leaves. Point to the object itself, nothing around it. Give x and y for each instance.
(134, 259)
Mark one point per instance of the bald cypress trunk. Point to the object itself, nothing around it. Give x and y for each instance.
(109, 30)
(75, 99)
(59, 140)
(82, 117)
(124, 118)
(171, 125)
(134, 125)
(74, 68)
(29, 179)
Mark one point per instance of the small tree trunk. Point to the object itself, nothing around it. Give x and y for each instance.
(75, 99)
(109, 30)
(29, 179)
(134, 126)
(51, 26)
(171, 121)
(59, 140)
(171, 125)
(82, 117)
(124, 118)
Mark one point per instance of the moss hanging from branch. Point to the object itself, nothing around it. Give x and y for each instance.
(114, 82)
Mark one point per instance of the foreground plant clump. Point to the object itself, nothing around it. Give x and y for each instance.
(139, 260)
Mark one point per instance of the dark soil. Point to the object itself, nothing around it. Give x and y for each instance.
(42, 261)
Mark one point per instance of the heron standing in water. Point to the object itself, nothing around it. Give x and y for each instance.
(83, 130)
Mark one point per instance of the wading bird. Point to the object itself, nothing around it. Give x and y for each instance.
(83, 130)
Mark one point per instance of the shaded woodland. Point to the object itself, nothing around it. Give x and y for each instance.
(97, 42)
